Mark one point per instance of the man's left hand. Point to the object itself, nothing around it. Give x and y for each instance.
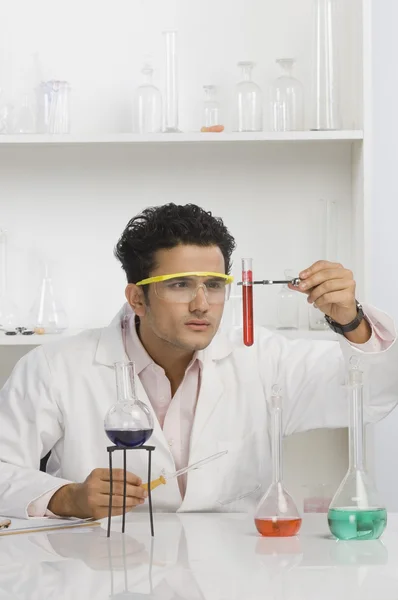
(331, 288)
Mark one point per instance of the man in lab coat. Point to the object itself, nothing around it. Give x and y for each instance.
(207, 393)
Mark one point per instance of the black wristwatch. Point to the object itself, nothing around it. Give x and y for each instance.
(342, 329)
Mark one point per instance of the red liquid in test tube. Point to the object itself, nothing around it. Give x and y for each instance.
(247, 297)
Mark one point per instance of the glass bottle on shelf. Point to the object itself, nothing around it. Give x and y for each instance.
(211, 111)
(129, 421)
(53, 107)
(47, 314)
(288, 305)
(356, 512)
(277, 514)
(147, 105)
(9, 314)
(287, 99)
(249, 101)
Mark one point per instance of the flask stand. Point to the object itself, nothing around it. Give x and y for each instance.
(112, 449)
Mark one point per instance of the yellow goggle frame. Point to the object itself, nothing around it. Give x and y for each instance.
(228, 278)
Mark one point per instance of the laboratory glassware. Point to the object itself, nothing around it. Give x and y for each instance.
(287, 99)
(288, 305)
(171, 97)
(9, 316)
(277, 514)
(54, 107)
(6, 119)
(25, 121)
(325, 84)
(47, 314)
(247, 297)
(129, 421)
(356, 512)
(211, 111)
(147, 105)
(249, 101)
(324, 238)
(166, 475)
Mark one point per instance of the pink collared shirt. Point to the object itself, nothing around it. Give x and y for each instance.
(176, 414)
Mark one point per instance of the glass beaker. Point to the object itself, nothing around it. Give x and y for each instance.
(54, 107)
(355, 512)
(211, 110)
(47, 314)
(249, 101)
(277, 514)
(325, 85)
(129, 422)
(171, 97)
(288, 305)
(9, 314)
(287, 99)
(147, 105)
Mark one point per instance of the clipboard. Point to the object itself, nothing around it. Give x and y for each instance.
(34, 525)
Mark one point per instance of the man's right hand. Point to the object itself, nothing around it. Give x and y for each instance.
(91, 498)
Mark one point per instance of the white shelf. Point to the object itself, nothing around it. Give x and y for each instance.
(34, 340)
(37, 340)
(189, 137)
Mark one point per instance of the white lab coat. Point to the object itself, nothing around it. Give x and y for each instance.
(58, 394)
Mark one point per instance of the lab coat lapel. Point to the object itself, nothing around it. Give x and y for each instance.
(211, 391)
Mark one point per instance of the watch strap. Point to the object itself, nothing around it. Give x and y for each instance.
(342, 329)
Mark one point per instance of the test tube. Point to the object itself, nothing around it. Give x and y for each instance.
(247, 296)
(171, 99)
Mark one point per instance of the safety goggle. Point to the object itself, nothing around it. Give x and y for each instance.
(182, 288)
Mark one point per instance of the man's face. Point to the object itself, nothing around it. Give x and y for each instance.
(188, 326)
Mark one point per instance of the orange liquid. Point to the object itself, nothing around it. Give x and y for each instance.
(278, 527)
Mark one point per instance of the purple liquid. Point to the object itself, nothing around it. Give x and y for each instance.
(132, 438)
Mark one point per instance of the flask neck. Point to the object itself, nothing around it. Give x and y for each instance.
(247, 73)
(356, 431)
(125, 382)
(276, 433)
(147, 73)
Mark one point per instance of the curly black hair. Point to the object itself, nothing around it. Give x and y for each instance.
(167, 226)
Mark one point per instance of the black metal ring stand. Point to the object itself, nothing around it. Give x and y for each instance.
(112, 449)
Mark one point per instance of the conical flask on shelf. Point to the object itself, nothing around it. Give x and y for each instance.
(277, 514)
(47, 314)
(356, 512)
(9, 314)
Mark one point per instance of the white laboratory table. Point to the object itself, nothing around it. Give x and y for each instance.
(198, 557)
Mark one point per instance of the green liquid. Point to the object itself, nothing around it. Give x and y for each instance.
(357, 524)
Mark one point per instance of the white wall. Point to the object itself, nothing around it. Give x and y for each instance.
(385, 215)
(72, 204)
